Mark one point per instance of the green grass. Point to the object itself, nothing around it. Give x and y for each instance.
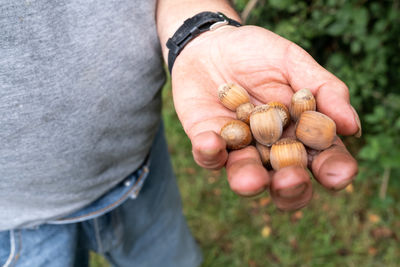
(336, 229)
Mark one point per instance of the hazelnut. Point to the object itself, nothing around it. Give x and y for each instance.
(264, 152)
(283, 112)
(288, 152)
(315, 130)
(236, 134)
(266, 124)
(243, 112)
(302, 100)
(232, 95)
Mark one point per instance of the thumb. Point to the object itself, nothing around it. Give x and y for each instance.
(209, 150)
(332, 95)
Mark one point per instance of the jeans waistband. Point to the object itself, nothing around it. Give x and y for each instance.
(128, 188)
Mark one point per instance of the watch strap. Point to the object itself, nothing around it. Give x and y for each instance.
(192, 27)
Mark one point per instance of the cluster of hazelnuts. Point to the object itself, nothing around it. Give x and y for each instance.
(265, 124)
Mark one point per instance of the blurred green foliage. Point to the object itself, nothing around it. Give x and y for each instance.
(358, 41)
(336, 229)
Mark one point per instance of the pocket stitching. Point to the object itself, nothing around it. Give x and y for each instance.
(14, 252)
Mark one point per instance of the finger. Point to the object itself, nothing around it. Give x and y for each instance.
(334, 167)
(209, 150)
(291, 188)
(332, 95)
(202, 116)
(246, 174)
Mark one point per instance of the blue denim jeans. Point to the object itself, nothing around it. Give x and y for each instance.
(138, 223)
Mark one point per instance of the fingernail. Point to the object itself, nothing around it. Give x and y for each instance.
(209, 152)
(358, 122)
(251, 194)
(293, 191)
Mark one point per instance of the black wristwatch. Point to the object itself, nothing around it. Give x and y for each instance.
(192, 27)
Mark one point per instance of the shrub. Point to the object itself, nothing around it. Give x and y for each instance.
(359, 42)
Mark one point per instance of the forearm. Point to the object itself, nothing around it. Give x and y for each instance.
(172, 13)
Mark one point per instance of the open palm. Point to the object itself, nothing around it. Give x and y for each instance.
(271, 68)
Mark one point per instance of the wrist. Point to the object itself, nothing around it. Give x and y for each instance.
(190, 30)
(172, 13)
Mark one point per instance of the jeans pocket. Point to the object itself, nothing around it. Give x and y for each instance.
(9, 247)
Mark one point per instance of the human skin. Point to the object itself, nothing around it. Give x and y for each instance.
(271, 68)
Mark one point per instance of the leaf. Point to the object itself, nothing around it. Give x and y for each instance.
(211, 179)
(370, 151)
(217, 191)
(349, 189)
(382, 233)
(372, 251)
(266, 231)
(298, 215)
(266, 218)
(252, 263)
(372, 43)
(336, 28)
(281, 4)
(397, 123)
(360, 20)
(355, 47)
(373, 218)
(377, 116)
(391, 161)
(190, 170)
(264, 201)
(380, 26)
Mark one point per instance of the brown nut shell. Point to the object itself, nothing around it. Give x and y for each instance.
(236, 134)
(316, 130)
(243, 112)
(302, 100)
(266, 124)
(288, 152)
(264, 152)
(232, 95)
(283, 112)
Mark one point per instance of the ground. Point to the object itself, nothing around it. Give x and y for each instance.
(348, 228)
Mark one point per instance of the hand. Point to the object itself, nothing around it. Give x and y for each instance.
(271, 68)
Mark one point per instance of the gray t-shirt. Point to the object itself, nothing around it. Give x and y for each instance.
(79, 102)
